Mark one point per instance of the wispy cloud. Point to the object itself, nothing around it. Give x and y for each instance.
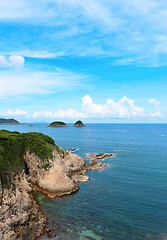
(39, 54)
(132, 31)
(25, 82)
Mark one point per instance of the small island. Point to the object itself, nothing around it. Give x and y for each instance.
(8, 121)
(58, 124)
(79, 124)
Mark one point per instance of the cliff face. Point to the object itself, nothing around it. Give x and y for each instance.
(32, 161)
(56, 179)
(19, 214)
(37, 163)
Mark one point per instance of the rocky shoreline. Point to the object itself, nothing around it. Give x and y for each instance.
(19, 212)
(20, 216)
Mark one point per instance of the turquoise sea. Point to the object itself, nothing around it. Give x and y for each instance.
(125, 201)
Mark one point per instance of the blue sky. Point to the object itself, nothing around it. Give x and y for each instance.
(98, 60)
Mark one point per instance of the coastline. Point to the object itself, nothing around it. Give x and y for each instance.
(54, 175)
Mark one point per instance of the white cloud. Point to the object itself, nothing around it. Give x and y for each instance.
(154, 102)
(12, 61)
(69, 113)
(16, 61)
(122, 109)
(17, 113)
(156, 114)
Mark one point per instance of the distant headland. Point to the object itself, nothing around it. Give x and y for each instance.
(8, 121)
(58, 124)
(79, 124)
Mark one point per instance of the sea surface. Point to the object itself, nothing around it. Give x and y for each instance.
(125, 201)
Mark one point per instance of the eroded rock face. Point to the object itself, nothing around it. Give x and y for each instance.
(19, 213)
(56, 180)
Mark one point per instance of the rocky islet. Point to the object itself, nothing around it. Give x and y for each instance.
(58, 124)
(79, 123)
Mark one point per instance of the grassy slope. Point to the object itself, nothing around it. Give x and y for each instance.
(13, 146)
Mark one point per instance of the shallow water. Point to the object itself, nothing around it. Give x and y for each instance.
(125, 201)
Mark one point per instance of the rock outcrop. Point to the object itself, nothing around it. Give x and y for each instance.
(72, 149)
(79, 124)
(58, 124)
(80, 178)
(95, 165)
(56, 180)
(96, 156)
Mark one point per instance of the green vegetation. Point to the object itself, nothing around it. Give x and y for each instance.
(13, 146)
(8, 121)
(79, 122)
(58, 123)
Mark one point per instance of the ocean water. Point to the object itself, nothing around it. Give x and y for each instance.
(125, 201)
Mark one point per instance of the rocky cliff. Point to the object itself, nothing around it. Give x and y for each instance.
(19, 214)
(29, 161)
(32, 161)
